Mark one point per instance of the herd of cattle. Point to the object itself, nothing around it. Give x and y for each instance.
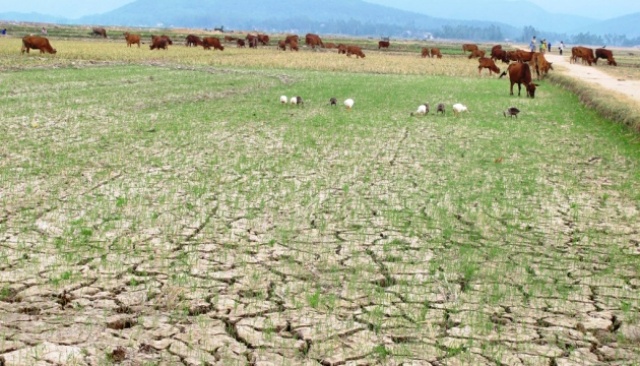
(521, 63)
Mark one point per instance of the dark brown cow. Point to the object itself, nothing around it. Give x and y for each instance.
(208, 42)
(240, 43)
(230, 39)
(132, 39)
(37, 43)
(487, 63)
(330, 45)
(252, 40)
(355, 50)
(342, 49)
(425, 52)
(313, 41)
(193, 40)
(501, 55)
(293, 45)
(383, 44)
(435, 52)
(96, 31)
(494, 50)
(476, 53)
(520, 73)
(584, 53)
(263, 39)
(282, 45)
(166, 38)
(540, 64)
(469, 47)
(605, 54)
(159, 43)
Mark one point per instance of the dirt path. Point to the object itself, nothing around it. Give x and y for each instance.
(593, 75)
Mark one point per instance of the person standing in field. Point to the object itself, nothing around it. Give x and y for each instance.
(549, 47)
(561, 47)
(532, 44)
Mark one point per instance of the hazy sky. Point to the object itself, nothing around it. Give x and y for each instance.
(599, 9)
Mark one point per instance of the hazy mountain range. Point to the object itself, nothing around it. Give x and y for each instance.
(498, 20)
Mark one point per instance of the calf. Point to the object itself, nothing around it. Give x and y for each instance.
(214, 42)
(520, 73)
(487, 63)
(37, 43)
(355, 50)
(132, 39)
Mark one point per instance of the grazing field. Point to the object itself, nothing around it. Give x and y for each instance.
(163, 208)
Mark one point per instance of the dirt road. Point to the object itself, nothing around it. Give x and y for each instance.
(594, 75)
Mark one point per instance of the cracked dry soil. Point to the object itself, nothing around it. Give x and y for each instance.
(151, 251)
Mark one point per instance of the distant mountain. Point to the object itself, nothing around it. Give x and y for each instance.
(349, 17)
(624, 25)
(515, 13)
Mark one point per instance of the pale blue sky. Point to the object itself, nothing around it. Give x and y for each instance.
(598, 9)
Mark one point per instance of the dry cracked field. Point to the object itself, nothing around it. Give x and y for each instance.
(167, 213)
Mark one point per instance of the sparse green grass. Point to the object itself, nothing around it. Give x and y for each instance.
(188, 181)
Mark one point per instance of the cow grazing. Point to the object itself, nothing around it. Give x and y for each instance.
(240, 43)
(263, 39)
(214, 42)
(520, 73)
(293, 45)
(37, 43)
(292, 37)
(500, 55)
(425, 52)
(166, 38)
(193, 40)
(487, 63)
(159, 43)
(313, 41)
(342, 49)
(524, 56)
(494, 50)
(540, 64)
(469, 47)
(435, 52)
(330, 45)
(132, 39)
(253, 42)
(605, 54)
(383, 44)
(282, 45)
(96, 31)
(355, 50)
(584, 53)
(476, 53)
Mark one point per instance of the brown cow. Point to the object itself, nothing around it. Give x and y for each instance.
(193, 40)
(476, 53)
(425, 52)
(291, 37)
(330, 45)
(520, 73)
(208, 42)
(166, 38)
(494, 50)
(158, 43)
(252, 40)
(512, 55)
(132, 39)
(605, 54)
(487, 63)
(263, 38)
(37, 43)
(230, 39)
(96, 31)
(501, 55)
(435, 52)
(342, 49)
(355, 50)
(540, 64)
(524, 56)
(240, 43)
(282, 45)
(293, 45)
(469, 47)
(383, 44)
(584, 53)
(313, 41)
